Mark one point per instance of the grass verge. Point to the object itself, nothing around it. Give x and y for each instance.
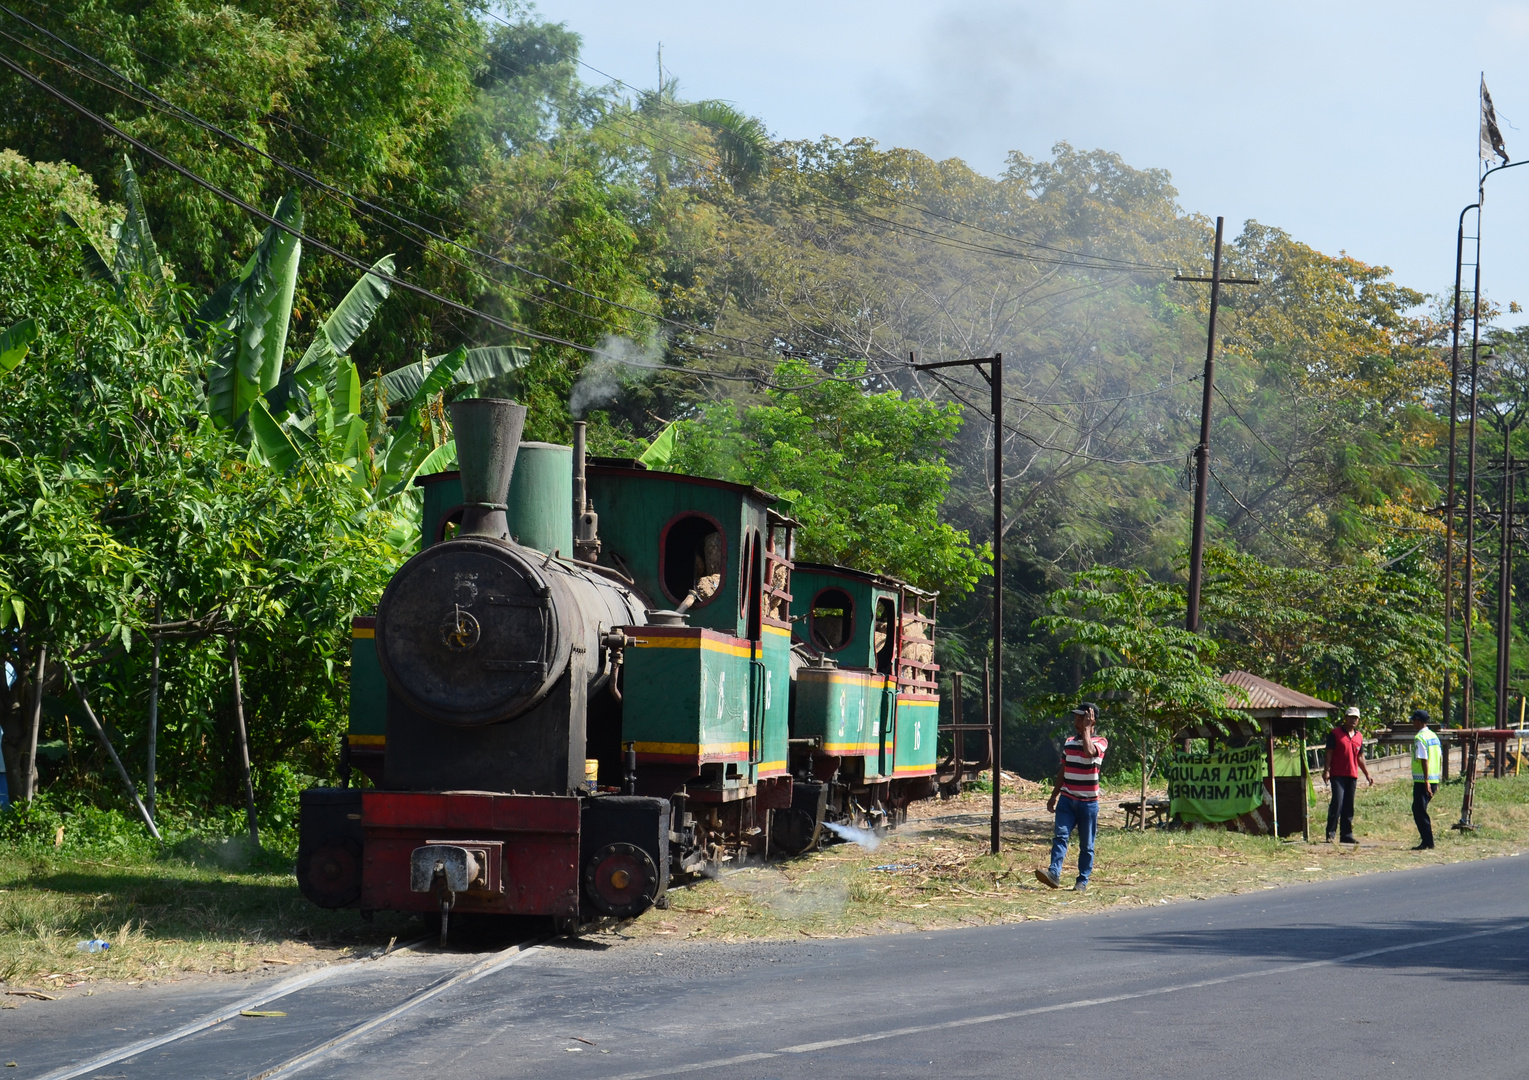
(937, 871)
(207, 908)
(210, 907)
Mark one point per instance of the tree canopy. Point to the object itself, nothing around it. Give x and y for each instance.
(213, 422)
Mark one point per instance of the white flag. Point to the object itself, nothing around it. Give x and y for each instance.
(1491, 138)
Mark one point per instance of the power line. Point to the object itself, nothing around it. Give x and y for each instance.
(309, 178)
(951, 389)
(255, 211)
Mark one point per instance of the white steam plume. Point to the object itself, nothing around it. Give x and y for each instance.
(616, 360)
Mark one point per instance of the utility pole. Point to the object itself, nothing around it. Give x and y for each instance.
(1202, 451)
(1505, 575)
(991, 369)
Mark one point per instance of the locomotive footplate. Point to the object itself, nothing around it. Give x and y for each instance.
(519, 854)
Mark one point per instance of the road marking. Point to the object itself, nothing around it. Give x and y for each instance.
(993, 1018)
(498, 961)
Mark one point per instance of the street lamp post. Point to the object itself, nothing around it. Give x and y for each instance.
(991, 368)
(1470, 482)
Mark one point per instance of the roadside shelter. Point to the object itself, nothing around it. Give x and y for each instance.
(1273, 713)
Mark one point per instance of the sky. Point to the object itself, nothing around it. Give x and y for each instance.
(1350, 124)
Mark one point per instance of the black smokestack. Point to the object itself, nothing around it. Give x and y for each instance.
(488, 435)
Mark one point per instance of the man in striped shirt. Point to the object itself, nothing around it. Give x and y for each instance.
(1076, 798)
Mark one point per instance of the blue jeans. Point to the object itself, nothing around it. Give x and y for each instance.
(1075, 814)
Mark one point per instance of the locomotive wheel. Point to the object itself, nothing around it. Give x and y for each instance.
(621, 880)
(793, 831)
(329, 873)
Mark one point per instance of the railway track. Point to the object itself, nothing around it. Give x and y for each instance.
(467, 973)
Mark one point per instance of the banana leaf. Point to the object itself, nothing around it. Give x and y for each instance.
(15, 342)
(271, 440)
(478, 364)
(136, 250)
(96, 265)
(323, 357)
(660, 451)
(247, 362)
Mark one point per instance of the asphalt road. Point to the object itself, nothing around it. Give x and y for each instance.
(1414, 974)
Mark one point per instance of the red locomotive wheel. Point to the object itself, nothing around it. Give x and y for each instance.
(329, 873)
(621, 880)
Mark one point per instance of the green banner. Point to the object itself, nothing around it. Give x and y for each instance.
(1217, 786)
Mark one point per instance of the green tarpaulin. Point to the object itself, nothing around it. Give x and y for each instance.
(1219, 785)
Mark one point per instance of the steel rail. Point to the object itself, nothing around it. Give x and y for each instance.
(498, 961)
(211, 1020)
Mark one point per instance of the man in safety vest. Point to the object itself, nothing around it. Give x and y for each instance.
(1427, 770)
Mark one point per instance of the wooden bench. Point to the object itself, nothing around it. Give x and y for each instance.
(1157, 812)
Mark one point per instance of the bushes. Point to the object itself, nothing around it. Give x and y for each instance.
(124, 509)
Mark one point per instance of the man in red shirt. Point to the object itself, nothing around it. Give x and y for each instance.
(1341, 771)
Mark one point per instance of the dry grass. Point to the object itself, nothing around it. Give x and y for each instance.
(164, 919)
(175, 917)
(937, 872)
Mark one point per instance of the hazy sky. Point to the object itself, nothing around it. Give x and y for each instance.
(1350, 124)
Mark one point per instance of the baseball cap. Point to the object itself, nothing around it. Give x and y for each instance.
(1420, 716)
(1086, 708)
(1352, 710)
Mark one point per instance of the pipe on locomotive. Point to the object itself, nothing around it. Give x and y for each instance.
(586, 523)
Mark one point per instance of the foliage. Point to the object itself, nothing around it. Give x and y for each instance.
(863, 472)
(1149, 675)
(465, 147)
(15, 343)
(1363, 634)
(126, 514)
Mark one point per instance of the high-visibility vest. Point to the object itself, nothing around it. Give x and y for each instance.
(1426, 744)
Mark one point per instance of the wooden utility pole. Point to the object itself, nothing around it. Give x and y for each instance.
(1202, 450)
(991, 369)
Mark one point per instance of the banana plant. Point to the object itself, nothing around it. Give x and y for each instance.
(660, 451)
(248, 318)
(136, 253)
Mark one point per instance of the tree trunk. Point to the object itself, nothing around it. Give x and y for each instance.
(29, 781)
(1144, 783)
(244, 741)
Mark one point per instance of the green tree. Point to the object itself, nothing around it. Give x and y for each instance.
(1363, 633)
(127, 514)
(863, 472)
(1155, 676)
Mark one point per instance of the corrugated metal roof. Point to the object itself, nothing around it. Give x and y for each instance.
(1264, 694)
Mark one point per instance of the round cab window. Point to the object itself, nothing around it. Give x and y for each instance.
(694, 559)
(833, 615)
